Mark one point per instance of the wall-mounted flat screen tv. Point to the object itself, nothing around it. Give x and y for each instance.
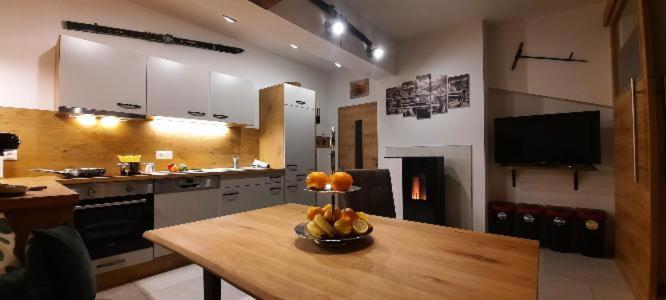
(553, 139)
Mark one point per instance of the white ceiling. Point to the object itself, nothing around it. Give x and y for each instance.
(402, 19)
(399, 19)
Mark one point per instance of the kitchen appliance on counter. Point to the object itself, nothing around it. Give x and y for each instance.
(76, 172)
(111, 218)
(184, 200)
(8, 141)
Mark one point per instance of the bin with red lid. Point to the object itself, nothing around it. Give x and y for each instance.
(501, 217)
(528, 221)
(560, 228)
(591, 231)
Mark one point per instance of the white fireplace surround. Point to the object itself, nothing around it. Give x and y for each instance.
(457, 179)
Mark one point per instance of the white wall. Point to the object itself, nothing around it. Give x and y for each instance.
(30, 28)
(556, 35)
(553, 187)
(454, 51)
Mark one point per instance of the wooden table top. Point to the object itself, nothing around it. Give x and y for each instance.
(258, 252)
(55, 194)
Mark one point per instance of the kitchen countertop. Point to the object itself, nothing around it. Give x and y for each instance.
(227, 174)
(57, 193)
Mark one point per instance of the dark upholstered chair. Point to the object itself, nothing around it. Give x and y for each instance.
(376, 195)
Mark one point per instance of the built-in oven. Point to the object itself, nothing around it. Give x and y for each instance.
(111, 218)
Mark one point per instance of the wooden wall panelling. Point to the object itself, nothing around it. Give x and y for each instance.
(271, 126)
(55, 142)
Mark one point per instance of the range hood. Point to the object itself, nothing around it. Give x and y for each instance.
(75, 111)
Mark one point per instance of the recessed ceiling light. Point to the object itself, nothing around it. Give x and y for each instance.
(338, 65)
(378, 53)
(229, 19)
(294, 46)
(338, 27)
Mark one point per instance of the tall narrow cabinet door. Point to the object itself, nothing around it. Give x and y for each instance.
(299, 131)
(177, 90)
(232, 99)
(637, 156)
(100, 77)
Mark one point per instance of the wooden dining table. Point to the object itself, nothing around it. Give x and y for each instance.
(259, 253)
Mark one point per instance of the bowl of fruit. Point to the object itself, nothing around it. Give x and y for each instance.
(331, 226)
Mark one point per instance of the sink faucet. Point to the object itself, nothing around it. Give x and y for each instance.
(235, 158)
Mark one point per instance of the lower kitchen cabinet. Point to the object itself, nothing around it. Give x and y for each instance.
(294, 192)
(180, 201)
(239, 195)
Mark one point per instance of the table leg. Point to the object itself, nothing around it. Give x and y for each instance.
(212, 286)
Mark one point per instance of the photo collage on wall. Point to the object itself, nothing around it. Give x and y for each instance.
(427, 96)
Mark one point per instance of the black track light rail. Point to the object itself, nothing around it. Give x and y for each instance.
(149, 36)
(331, 11)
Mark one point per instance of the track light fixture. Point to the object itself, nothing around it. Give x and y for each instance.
(340, 25)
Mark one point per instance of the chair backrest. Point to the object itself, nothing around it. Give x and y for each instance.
(376, 195)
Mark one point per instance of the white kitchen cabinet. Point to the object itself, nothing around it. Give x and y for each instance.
(177, 90)
(93, 76)
(232, 99)
(299, 97)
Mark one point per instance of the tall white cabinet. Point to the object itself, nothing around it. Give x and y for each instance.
(287, 136)
(97, 77)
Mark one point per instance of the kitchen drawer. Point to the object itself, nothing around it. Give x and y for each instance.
(295, 193)
(275, 193)
(122, 260)
(293, 176)
(275, 178)
(242, 182)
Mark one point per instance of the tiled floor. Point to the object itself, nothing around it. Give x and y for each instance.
(561, 276)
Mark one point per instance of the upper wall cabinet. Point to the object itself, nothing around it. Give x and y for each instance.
(232, 99)
(177, 90)
(97, 77)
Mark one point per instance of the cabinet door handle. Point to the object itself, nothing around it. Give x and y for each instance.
(292, 167)
(189, 186)
(275, 188)
(634, 129)
(111, 263)
(292, 186)
(128, 106)
(230, 194)
(274, 177)
(221, 117)
(196, 113)
(301, 102)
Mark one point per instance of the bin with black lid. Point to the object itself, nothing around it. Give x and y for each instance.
(528, 220)
(591, 231)
(501, 217)
(560, 228)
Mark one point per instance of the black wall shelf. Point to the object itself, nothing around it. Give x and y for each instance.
(573, 168)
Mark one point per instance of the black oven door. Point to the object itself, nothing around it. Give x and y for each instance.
(111, 226)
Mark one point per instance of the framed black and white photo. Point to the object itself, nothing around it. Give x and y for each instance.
(408, 101)
(439, 91)
(393, 101)
(458, 91)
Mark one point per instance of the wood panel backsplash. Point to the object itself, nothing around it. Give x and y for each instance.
(51, 141)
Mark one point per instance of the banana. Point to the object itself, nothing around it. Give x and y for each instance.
(324, 225)
(314, 230)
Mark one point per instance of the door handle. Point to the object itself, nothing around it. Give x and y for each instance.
(634, 130)
(275, 188)
(230, 194)
(102, 205)
(128, 106)
(196, 113)
(111, 263)
(292, 167)
(301, 102)
(221, 117)
(189, 186)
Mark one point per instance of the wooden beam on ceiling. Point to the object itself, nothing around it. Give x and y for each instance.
(265, 4)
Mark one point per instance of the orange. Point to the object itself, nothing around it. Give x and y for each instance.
(349, 215)
(332, 217)
(316, 180)
(312, 211)
(341, 181)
